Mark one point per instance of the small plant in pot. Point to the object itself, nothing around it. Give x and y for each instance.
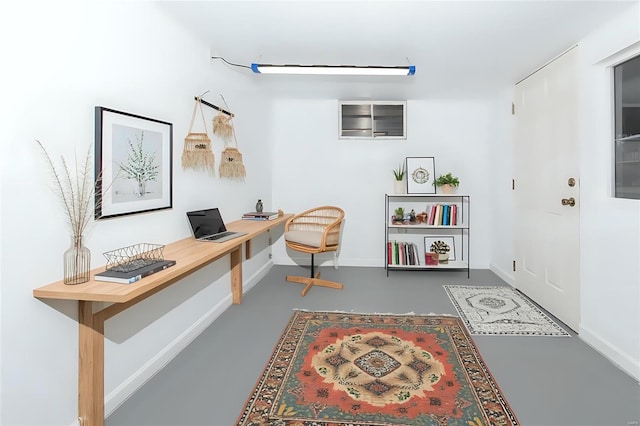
(447, 183)
(399, 174)
(398, 217)
(442, 249)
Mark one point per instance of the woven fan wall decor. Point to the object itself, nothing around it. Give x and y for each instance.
(197, 153)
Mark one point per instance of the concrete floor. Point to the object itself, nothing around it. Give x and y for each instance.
(548, 381)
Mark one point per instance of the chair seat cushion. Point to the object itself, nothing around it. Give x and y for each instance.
(309, 238)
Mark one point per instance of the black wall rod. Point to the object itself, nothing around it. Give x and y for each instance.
(217, 108)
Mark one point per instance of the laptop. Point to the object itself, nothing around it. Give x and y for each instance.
(207, 225)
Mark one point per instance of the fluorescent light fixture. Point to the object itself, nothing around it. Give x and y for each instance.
(332, 69)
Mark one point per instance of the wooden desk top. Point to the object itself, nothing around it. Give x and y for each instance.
(189, 254)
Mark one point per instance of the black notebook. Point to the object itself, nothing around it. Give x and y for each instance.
(135, 275)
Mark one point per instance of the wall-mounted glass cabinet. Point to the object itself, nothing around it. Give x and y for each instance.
(627, 135)
(373, 120)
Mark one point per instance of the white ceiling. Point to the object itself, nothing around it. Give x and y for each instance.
(459, 48)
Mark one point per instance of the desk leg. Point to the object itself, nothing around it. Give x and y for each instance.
(236, 275)
(90, 366)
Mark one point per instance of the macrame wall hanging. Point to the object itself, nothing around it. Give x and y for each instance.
(231, 165)
(197, 152)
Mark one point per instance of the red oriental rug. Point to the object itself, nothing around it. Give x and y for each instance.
(335, 368)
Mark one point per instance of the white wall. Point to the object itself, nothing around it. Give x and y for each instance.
(313, 167)
(65, 58)
(609, 227)
(502, 198)
(610, 279)
(62, 60)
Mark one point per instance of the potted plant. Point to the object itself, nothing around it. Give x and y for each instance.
(399, 173)
(447, 183)
(399, 215)
(442, 249)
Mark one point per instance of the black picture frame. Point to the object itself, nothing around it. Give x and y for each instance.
(133, 163)
(421, 173)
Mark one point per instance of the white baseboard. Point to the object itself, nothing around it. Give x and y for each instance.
(291, 261)
(622, 360)
(127, 388)
(504, 275)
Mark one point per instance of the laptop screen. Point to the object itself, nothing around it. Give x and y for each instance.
(206, 222)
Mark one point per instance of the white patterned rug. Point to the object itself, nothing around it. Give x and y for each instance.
(501, 311)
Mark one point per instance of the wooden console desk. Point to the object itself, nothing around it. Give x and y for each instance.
(189, 254)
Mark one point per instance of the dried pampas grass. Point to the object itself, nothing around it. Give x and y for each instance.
(75, 189)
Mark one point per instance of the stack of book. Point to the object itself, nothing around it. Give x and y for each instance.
(130, 277)
(260, 216)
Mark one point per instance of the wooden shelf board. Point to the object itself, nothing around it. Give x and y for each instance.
(420, 226)
(459, 264)
(188, 253)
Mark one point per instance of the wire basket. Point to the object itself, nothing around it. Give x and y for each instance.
(127, 259)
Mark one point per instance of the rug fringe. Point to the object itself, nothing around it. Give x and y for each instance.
(371, 313)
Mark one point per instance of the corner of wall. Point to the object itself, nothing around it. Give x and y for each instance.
(610, 351)
(509, 278)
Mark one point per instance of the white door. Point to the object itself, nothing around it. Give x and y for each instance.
(547, 239)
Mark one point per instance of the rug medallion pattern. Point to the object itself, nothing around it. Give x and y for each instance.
(333, 368)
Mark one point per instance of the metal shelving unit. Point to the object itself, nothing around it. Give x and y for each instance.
(418, 232)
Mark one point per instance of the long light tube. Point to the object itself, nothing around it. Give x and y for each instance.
(332, 69)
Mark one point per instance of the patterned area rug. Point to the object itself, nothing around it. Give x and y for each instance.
(500, 311)
(335, 368)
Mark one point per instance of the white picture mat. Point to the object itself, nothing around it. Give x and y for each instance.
(420, 175)
(449, 240)
(117, 130)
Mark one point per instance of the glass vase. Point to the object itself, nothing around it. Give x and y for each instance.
(77, 262)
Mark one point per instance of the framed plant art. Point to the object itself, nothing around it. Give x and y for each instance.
(440, 244)
(420, 175)
(133, 163)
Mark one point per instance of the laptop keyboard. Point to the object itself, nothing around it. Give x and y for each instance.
(218, 236)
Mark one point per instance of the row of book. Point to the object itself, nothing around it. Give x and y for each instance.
(260, 216)
(443, 215)
(402, 253)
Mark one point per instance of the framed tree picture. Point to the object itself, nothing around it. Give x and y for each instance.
(420, 175)
(133, 163)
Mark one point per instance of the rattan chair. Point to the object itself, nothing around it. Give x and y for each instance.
(314, 231)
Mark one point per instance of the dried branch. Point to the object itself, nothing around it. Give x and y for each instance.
(75, 191)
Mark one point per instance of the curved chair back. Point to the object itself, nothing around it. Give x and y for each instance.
(316, 230)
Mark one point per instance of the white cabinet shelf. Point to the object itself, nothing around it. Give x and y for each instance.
(447, 220)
